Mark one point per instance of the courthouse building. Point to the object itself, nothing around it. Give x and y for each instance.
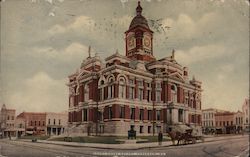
(133, 91)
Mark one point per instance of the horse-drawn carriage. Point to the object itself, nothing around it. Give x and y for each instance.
(184, 134)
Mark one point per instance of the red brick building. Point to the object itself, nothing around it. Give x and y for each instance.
(35, 123)
(133, 91)
(229, 122)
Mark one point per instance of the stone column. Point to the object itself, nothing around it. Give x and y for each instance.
(174, 115)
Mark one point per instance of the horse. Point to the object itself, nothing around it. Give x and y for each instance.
(177, 136)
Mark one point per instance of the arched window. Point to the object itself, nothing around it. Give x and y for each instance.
(111, 88)
(174, 93)
(86, 92)
(122, 88)
(101, 90)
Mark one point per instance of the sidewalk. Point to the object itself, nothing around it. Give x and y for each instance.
(129, 146)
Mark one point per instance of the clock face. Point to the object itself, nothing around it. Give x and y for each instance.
(147, 42)
(131, 43)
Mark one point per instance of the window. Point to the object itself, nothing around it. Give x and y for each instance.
(148, 94)
(180, 115)
(158, 115)
(110, 112)
(140, 84)
(59, 121)
(101, 90)
(132, 113)
(131, 82)
(86, 92)
(141, 114)
(100, 116)
(8, 118)
(54, 121)
(43, 123)
(122, 89)
(49, 121)
(39, 123)
(140, 93)
(85, 115)
(224, 123)
(158, 96)
(35, 123)
(12, 117)
(158, 85)
(149, 129)
(174, 93)
(122, 112)
(141, 129)
(101, 94)
(131, 92)
(149, 114)
(131, 89)
(111, 90)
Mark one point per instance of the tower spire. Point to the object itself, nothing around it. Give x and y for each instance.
(139, 8)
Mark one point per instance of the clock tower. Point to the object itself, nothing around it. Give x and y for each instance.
(139, 38)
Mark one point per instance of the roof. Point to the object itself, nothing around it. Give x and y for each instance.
(139, 20)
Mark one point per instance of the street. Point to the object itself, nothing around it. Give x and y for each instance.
(231, 147)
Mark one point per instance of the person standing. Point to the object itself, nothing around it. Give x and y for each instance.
(160, 137)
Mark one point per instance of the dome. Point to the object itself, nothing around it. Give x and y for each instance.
(139, 20)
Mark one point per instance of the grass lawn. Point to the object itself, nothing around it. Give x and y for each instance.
(108, 139)
(35, 137)
(92, 139)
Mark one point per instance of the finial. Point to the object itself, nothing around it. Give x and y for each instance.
(89, 51)
(139, 8)
(173, 51)
(193, 77)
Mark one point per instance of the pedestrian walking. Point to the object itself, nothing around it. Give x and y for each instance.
(160, 137)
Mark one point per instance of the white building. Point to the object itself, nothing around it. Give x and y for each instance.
(208, 119)
(245, 110)
(56, 123)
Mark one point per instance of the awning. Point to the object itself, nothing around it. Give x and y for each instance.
(29, 132)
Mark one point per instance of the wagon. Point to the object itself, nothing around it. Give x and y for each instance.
(185, 134)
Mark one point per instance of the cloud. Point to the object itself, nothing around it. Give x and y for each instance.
(79, 24)
(40, 93)
(186, 27)
(200, 53)
(72, 52)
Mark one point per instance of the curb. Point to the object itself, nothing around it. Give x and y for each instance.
(134, 147)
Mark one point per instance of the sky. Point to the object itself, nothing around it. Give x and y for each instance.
(44, 41)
